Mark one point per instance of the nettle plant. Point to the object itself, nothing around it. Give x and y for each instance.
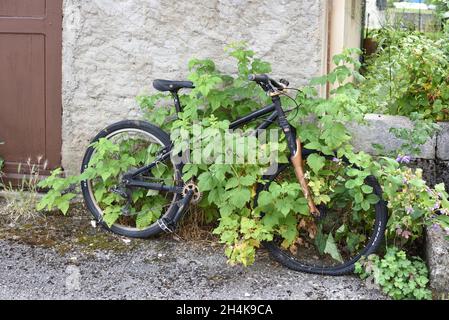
(229, 188)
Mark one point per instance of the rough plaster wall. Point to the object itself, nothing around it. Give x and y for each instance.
(112, 50)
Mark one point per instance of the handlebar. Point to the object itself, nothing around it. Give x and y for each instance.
(267, 83)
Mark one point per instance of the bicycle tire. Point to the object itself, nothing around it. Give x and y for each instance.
(90, 202)
(376, 238)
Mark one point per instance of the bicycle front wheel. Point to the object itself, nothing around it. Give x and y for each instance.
(345, 231)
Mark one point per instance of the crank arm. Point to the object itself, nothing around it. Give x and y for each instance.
(168, 224)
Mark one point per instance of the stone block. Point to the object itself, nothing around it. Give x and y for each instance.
(376, 131)
(437, 252)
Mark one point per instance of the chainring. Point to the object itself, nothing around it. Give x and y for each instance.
(191, 186)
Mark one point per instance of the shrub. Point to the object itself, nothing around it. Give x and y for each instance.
(409, 74)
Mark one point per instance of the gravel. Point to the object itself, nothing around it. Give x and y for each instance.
(159, 269)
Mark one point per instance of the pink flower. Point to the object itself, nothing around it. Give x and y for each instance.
(403, 159)
(436, 205)
(406, 234)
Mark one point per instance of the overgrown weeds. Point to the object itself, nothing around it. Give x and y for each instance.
(20, 200)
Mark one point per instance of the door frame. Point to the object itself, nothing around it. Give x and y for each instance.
(49, 25)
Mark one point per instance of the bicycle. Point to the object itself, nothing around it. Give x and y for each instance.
(161, 178)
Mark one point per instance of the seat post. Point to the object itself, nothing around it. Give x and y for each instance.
(177, 101)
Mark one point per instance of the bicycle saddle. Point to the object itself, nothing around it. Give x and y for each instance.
(172, 86)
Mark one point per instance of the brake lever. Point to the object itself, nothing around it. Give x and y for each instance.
(275, 91)
(284, 82)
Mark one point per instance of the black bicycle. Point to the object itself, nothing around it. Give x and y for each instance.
(329, 238)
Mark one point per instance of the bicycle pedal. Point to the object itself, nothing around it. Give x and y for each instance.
(120, 191)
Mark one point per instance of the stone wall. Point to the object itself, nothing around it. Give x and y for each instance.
(434, 155)
(112, 50)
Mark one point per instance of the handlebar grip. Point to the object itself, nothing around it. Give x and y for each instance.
(265, 81)
(258, 77)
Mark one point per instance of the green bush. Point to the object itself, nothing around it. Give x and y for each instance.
(409, 74)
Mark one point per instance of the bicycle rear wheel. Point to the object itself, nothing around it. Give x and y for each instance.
(332, 243)
(121, 147)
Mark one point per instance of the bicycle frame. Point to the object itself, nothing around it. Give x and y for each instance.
(276, 113)
(129, 178)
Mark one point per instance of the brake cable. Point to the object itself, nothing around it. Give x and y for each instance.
(294, 101)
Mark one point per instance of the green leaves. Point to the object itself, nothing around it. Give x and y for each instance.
(331, 249)
(408, 74)
(57, 197)
(149, 214)
(335, 135)
(206, 182)
(246, 181)
(397, 275)
(367, 189)
(316, 162)
(111, 214)
(239, 197)
(265, 198)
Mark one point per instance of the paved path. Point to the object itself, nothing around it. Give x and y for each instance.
(159, 269)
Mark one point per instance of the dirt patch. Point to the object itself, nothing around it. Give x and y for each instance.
(75, 232)
(65, 233)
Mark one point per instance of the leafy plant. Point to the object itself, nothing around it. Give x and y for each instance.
(415, 137)
(398, 276)
(229, 187)
(409, 74)
(110, 160)
(412, 204)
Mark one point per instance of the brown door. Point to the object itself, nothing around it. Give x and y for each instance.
(30, 83)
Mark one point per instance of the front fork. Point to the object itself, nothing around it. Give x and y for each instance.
(294, 144)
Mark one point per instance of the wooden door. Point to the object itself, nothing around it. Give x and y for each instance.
(30, 83)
